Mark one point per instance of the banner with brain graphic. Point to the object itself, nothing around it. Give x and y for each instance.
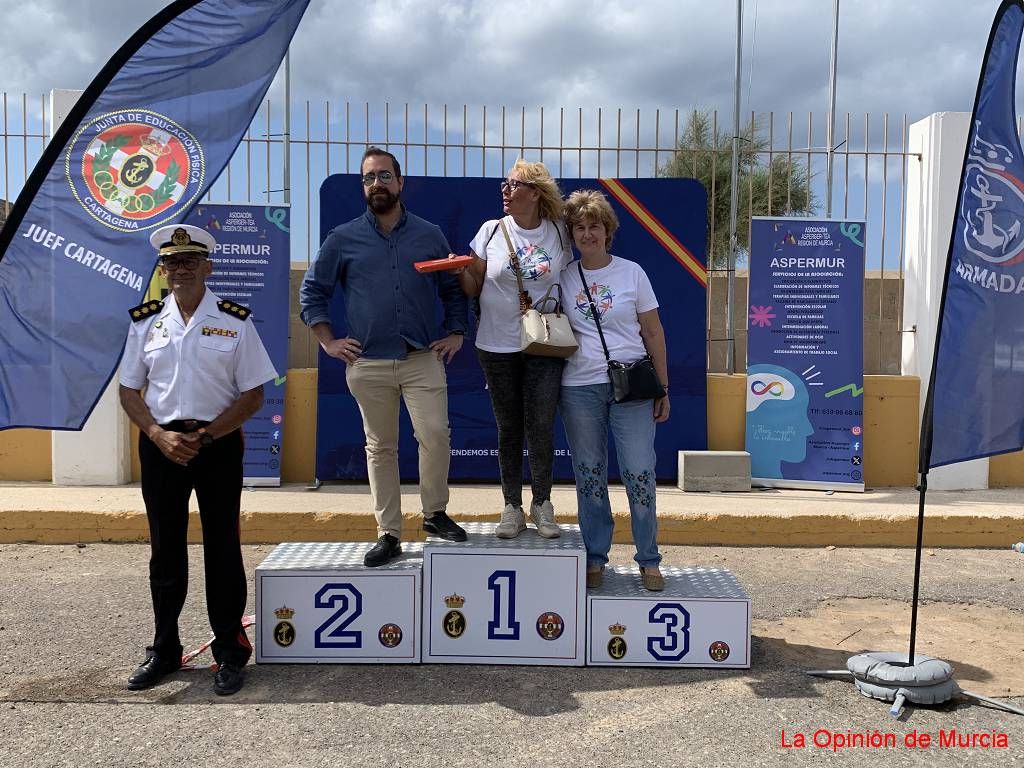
(805, 354)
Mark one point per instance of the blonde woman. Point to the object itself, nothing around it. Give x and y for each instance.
(524, 388)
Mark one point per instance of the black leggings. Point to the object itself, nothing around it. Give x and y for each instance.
(524, 393)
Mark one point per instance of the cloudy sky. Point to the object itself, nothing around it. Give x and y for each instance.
(900, 56)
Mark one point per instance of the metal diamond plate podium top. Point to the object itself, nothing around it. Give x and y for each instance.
(333, 554)
(482, 536)
(709, 583)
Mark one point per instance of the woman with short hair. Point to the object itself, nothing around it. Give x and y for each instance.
(620, 294)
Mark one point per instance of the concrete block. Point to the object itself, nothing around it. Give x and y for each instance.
(714, 471)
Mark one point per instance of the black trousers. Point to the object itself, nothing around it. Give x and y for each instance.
(524, 393)
(216, 476)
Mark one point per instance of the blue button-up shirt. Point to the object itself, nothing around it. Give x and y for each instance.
(389, 306)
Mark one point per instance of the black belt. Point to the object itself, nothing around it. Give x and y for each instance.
(184, 425)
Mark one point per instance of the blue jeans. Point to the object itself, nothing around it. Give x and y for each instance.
(587, 413)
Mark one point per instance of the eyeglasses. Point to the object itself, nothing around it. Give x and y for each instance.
(384, 177)
(513, 184)
(186, 262)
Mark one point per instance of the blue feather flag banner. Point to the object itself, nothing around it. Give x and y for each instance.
(141, 146)
(975, 402)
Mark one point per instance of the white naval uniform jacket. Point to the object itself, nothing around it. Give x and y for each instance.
(194, 371)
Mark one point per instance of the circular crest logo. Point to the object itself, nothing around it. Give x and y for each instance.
(991, 229)
(550, 625)
(719, 650)
(134, 169)
(390, 635)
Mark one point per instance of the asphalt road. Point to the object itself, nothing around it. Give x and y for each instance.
(74, 620)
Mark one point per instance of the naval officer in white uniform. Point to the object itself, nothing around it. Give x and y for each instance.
(192, 373)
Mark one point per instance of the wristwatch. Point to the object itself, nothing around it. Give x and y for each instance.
(205, 438)
(456, 333)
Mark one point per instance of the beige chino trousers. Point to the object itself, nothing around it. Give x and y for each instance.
(378, 386)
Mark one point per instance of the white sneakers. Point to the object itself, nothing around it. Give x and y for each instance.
(513, 521)
(543, 516)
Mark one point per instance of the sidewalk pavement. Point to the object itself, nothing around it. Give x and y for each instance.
(886, 517)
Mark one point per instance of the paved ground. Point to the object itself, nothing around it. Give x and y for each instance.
(73, 621)
(885, 517)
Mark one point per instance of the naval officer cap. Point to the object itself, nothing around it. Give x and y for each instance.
(182, 238)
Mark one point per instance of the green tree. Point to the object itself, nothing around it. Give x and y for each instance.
(780, 187)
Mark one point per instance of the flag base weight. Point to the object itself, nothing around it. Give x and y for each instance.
(890, 677)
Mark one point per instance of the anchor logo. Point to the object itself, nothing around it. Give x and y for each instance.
(993, 202)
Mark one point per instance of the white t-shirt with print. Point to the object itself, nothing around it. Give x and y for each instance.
(621, 291)
(542, 253)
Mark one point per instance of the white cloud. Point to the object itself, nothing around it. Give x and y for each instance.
(894, 55)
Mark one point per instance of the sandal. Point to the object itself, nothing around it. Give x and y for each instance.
(652, 579)
(595, 576)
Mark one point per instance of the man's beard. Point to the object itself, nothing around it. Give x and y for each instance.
(382, 201)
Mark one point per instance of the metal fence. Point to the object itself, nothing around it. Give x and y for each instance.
(871, 164)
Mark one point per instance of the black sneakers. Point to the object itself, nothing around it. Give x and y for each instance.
(386, 549)
(152, 671)
(442, 525)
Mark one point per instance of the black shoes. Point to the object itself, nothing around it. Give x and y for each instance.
(229, 679)
(386, 549)
(442, 525)
(152, 671)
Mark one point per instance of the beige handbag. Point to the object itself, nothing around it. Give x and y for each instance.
(547, 334)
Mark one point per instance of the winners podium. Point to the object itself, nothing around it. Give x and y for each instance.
(492, 601)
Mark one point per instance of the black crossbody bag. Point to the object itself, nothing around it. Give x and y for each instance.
(630, 381)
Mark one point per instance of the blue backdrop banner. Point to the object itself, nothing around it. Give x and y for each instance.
(805, 354)
(662, 228)
(251, 266)
(974, 406)
(139, 148)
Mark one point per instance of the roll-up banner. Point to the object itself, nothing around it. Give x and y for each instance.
(251, 264)
(805, 354)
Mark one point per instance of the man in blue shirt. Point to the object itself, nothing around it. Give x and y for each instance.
(393, 348)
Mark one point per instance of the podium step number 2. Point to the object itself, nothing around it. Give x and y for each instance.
(318, 603)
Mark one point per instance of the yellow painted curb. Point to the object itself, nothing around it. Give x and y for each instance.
(741, 529)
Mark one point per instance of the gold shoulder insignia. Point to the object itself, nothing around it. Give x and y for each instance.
(235, 310)
(145, 309)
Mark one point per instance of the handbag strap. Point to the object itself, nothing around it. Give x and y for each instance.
(593, 310)
(524, 298)
(559, 299)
